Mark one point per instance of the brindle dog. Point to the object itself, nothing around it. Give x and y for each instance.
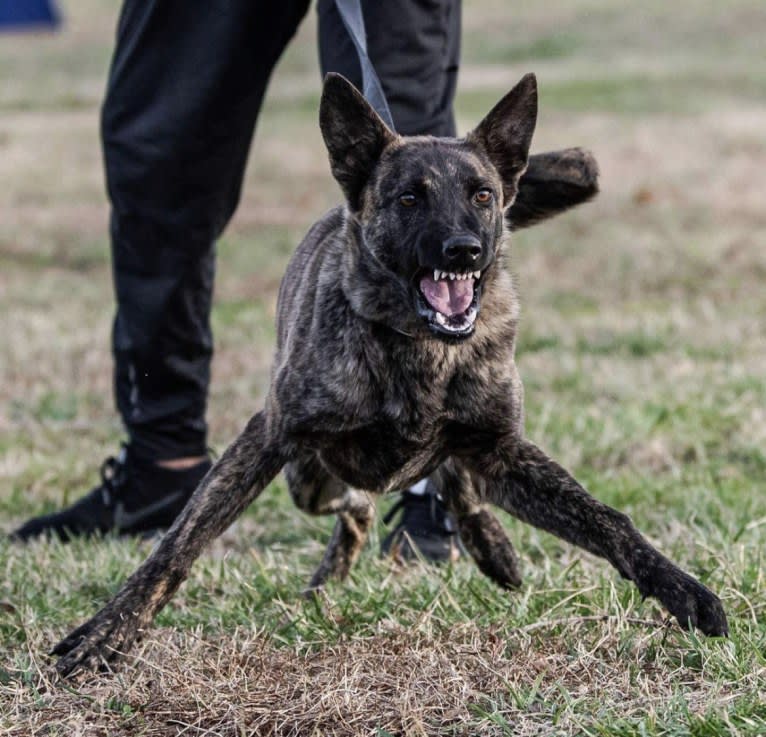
(397, 322)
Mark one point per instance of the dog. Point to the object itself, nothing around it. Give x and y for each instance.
(396, 326)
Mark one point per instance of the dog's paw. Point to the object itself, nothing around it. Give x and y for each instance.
(691, 603)
(93, 646)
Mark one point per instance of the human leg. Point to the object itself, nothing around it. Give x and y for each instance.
(185, 87)
(415, 49)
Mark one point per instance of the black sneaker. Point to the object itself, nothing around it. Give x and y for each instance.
(425, 528)
(133, 498)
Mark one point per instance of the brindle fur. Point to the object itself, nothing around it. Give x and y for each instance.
(366, 398)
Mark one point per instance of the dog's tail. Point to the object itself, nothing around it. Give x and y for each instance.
(553, 182)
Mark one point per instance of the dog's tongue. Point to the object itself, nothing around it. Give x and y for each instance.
(447, 296)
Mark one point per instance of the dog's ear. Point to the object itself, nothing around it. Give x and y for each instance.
(506, 133)
(354, 134)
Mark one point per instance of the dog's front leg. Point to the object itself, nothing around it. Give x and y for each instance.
(529, 485)
(243, 471)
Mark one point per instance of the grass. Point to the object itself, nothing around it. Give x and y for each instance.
(642, 349)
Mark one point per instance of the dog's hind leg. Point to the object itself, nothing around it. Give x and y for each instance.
(347, 541)
(242, 472)
(480, 531)
(526, 483)
(316, 491)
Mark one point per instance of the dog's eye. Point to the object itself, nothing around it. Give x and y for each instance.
(483, 196)
(407, 199)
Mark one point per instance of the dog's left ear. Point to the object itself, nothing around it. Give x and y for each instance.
(354, 134)
(506, 134)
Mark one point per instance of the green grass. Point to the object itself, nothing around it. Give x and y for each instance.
(642, 350)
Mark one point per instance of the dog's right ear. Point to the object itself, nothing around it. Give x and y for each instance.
(354, 134)
(505, 134)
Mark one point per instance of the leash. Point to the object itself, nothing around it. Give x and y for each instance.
(351, 15)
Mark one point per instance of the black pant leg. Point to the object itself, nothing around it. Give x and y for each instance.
(185, 87)
(414, 46)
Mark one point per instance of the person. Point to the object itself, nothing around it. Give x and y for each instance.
(185, 88)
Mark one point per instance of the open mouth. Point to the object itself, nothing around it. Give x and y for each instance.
(449, 301)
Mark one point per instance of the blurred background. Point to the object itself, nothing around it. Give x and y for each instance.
(643, 311)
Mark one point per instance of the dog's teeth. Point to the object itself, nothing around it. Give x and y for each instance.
(452, 276)
(436, 274)
(476, 274)
(440, 318)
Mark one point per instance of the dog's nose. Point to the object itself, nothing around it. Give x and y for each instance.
(462, 249)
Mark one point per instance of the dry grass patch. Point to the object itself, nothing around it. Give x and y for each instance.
(462, 681)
